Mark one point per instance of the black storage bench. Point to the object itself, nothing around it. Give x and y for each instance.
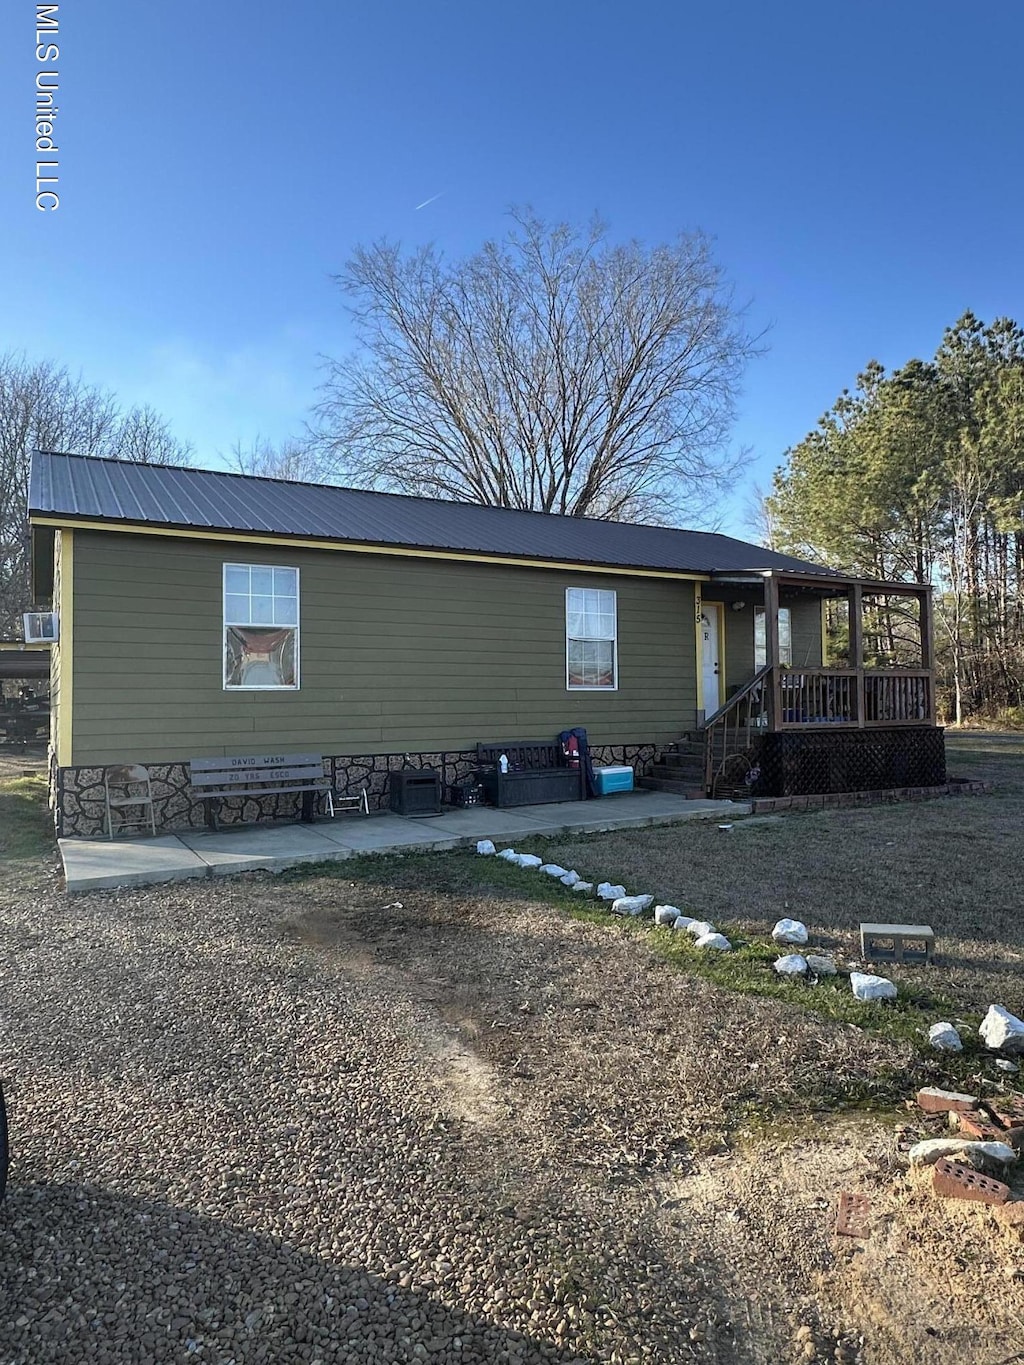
(538, 772)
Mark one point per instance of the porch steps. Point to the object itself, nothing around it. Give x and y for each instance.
(678, 769)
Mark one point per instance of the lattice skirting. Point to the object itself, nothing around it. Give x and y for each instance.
(78, 806)
(799, 763)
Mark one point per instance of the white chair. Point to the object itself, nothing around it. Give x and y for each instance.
(124, 788)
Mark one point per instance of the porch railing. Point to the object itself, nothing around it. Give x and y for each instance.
(809, 698)
(732, 729)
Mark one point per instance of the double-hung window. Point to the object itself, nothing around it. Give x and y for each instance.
(761, 638)
(261, 627)
(591, 644)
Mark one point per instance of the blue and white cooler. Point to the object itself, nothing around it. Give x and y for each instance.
(613, 779)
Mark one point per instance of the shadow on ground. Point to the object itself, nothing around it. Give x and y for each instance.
(128, 1280)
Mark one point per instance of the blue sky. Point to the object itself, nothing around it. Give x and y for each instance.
(859, 168)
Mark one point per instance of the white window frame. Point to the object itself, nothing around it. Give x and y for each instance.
(593, 687)
(268, 625)
(760, 614)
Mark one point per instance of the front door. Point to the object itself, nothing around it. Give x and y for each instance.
(710, 663)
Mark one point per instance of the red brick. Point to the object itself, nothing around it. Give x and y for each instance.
(1006, 1110)
(953, 1180)
(853, 1216)
(934, 1101)
(978, 1126)
(1014, 1136)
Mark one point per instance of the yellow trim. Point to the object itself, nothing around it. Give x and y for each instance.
(824, 632)
(721, 653)
(32, 646)
(66, 626)
(699, 643)
(297, 542)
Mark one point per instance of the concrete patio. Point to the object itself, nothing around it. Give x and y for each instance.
(98, 864)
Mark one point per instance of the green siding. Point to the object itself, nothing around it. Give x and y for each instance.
(396, 653)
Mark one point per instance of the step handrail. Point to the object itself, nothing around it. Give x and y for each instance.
(717, 724)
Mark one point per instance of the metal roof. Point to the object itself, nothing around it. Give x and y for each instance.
(85, 488)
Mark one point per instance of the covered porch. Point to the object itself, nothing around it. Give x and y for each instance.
(874, 672)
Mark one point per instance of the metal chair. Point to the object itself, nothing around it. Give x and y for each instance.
(133, 784)
(335, 801)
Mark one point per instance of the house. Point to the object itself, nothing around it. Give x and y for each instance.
(210, 614)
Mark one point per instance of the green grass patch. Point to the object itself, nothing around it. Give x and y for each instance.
(25, 829)
(746, 970)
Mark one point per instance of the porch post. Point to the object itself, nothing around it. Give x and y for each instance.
(857, 646)
(928, 647)
(771, 638)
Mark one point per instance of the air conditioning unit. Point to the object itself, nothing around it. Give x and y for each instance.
(41, 627)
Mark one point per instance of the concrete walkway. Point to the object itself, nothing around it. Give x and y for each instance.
(96, 864)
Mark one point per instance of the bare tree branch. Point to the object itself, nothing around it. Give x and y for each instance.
(552, 371)
(43, 407)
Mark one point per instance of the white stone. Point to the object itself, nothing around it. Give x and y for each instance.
(509, 854)
(699, 927)
(570, 878)
(682, 923)
(485, 846)
(791, 965)
(819, 965)
(1004, 1065)
(790, 931)
(1002, 1031)
(607, 892)
(553, 870)
(944, 1038)
(872, 987)
(666, 915)
(928, 1152)
(583, 887)
(713, 940)
(631, 905)
(528, 860)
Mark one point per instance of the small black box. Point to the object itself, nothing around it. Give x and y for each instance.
(414, 791)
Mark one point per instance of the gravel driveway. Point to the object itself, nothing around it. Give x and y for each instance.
(235, 1146)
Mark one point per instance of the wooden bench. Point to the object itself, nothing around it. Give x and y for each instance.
(538, 772)
(910, 942)
(251, 775)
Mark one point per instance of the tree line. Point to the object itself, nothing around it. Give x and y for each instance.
(45, 407)
(918, 474)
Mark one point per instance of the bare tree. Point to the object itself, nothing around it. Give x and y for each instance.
(292, 459)
(43, 407)
(552, 371)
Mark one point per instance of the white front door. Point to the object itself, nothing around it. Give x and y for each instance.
(709, 628)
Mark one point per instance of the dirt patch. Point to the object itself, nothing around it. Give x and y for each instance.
(578, 1068)
(934, 1281)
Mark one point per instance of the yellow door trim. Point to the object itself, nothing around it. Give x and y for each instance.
(824, 632)
(721, 654)
(699, 647)
(66, 629)
(299, 542)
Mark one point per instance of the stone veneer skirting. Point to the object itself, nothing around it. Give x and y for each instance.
(79, 807)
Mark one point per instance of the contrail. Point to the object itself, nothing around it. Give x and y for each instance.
(427, 201)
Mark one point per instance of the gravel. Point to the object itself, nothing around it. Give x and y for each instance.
(231, 1146)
